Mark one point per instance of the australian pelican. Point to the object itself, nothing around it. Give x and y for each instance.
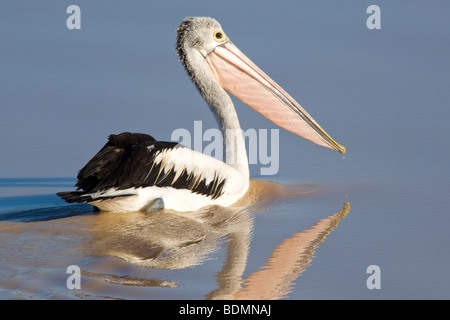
(134, 172)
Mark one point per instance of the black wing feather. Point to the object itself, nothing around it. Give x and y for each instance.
(103, 170)
(128, 161)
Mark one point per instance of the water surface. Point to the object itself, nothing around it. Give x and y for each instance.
(323, 218)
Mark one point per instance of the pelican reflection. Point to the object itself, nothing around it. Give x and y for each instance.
(287, 261)
(174, 240)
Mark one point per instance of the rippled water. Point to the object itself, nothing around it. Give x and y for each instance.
(308, 232)
(136, 255)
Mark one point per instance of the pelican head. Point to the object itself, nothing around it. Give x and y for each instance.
(214, 64)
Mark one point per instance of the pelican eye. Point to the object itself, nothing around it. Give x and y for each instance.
(219, 36)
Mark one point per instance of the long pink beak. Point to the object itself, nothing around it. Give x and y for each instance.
(239, 76)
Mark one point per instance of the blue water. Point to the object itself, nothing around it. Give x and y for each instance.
(383, 94)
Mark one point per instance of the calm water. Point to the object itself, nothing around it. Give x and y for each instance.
(308, 232)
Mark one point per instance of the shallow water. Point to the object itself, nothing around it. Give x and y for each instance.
(316, 225)
(135, 255)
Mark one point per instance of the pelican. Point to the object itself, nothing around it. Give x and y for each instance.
(135, 172)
